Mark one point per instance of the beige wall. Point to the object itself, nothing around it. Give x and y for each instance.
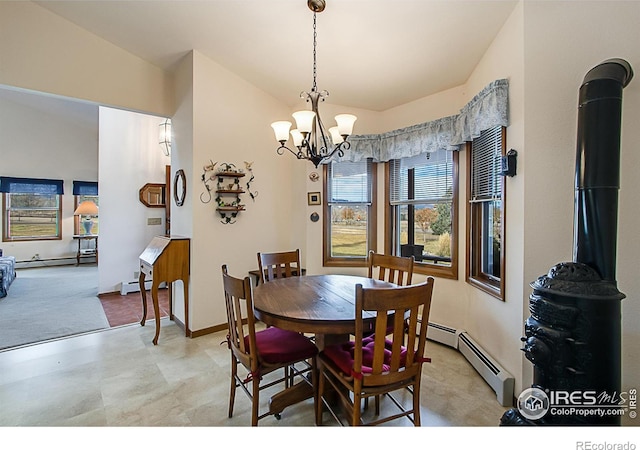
(43, 52)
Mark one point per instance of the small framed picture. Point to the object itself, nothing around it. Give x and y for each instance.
(313, 198)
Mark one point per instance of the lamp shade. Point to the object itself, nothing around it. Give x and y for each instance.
(86, 208)
(281, 129)
(297, 137)
(335, 136)
(345, 123)
(304, 120)
(164, 136)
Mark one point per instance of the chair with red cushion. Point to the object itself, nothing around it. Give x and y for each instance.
(379, 364)
(260, 352)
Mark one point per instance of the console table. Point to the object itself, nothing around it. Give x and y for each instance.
(90, 251)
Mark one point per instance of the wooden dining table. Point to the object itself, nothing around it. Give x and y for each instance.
(323, 305)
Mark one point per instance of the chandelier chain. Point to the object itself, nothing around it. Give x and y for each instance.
(315, 34)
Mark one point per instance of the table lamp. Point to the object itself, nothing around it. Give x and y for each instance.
(87, 208)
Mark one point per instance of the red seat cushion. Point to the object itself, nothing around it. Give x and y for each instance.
(342, 355)
(276, 346)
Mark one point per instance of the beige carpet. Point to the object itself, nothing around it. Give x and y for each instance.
(51, 302)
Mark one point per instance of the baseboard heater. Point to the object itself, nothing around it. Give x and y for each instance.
(134, 286)
(499, 379)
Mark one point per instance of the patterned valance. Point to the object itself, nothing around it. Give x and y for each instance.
(486, 110)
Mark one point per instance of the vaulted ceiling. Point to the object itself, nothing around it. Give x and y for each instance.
(373, 54)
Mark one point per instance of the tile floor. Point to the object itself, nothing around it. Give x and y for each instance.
(118, 378)
(127, 309)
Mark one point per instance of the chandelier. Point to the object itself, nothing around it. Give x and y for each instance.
(310, 138)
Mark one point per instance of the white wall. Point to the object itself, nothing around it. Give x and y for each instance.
(129, 158)
(40, 142)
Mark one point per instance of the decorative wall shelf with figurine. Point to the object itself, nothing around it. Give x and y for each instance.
(228, 189)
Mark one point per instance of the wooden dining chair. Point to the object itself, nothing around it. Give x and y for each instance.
(261, 352)
(377, 365)
(394, 269)
(279, 265)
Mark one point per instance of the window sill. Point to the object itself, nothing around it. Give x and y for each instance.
(434, 270)
(487, 286)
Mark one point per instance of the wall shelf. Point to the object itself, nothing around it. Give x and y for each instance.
(228, 192)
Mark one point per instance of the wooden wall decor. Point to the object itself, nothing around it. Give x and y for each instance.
(227, 188)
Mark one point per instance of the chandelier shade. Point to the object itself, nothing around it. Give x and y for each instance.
(310, 139)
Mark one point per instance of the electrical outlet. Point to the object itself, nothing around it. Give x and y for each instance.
(136, 275)
(154, 221)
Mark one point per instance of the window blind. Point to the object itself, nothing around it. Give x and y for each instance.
(432, 178)
(350, 182)
(486, 151)
(12, 185)
(85, 187)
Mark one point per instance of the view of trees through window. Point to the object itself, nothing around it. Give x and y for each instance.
(431, 228)
(32, 216)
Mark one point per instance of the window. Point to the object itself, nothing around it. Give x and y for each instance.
(349, 213)
(422, 211)
(31, 208)
(85, 190)
(485, 210)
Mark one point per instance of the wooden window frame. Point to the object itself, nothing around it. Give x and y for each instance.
(372, 227)
(474, 276)
(430, 269)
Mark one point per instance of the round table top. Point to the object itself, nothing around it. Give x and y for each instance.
(321, 304)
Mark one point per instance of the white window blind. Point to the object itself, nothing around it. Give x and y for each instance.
(432, 178)
(486, 181)
(350, 182)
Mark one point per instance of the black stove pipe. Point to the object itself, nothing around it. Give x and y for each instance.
(573, 336)
(598, 166)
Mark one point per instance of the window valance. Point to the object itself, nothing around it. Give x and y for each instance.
(13, 185)
(486, 110)
(85, 187)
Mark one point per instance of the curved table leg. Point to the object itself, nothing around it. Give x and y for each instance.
(156, 309)
(144, 298)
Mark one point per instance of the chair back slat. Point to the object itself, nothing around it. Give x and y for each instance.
(394, 269)
(239, 305)
(279, 265)
(404, 304)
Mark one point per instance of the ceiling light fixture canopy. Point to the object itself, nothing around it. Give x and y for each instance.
(311, 139)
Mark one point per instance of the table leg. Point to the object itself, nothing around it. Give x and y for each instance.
(78, 254)
(143, 293)
(156, 309)
(185, 284)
